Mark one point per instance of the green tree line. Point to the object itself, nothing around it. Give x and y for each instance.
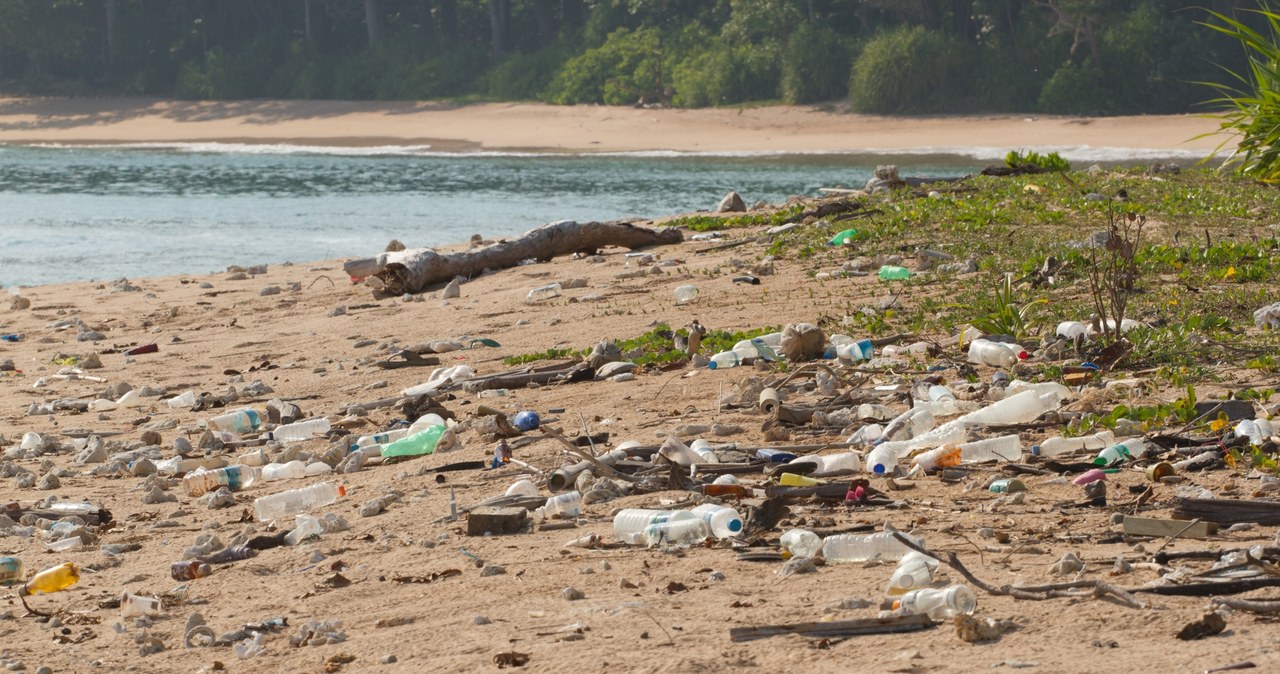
(882, 56)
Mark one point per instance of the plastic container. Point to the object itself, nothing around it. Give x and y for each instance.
(723, 360)
(527, 420)
(774, 455)
(300, 430)
(185, 400)
(417, 444)
(293, 470)
(995, 354)
(801, 543)
(543, 293)
(703, 449)
(317, 469)
(942, 457)
(677, 452)
(68, 544)
(794, 480)
(914, 422)
(296, 501)
(53, 579)
(843, 548)
(377, 439)
(239, 421)
(566, 505)
(1052, 447)
(731, 490)
(1119, 453)
(894, 273)
(831, 464)
(765, 351)
(938, 604)
(136, 605)
(102, 405)
(1071, 330)
(856, 351)
(1005, 448)
(255, 457)
(682, 532)
(721, 521)
(234, 478)
(914, 571)
(522, 488)
(882, 460)
(189, 570)
(11, 571)
(80, 508)
(630, 524)
(686, 293)
(1019, 408)
(129, 399)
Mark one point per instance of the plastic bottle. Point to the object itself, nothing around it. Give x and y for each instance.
(1052, 447)
(721, 521)
(831, 464)
(863, 547)
(186, 400)
(53, 579)
(1005, 448)
(682, 532)
(1119, 453)
(894, 273)
(942, 457)
(80, 508)
(417, 444)
(1071, 329)
(721, 489)
(136, 605)
(774, 455)
(915, 570)
(295, 501)
(801, 543)
(255, 457)
(234, 478)
(856, 351)
(914, 422)
(686, 293)
(383, 438)
(102, 405)
(677, 452)
(189, 570)
(882, 460)
(300, 430)
(986, 352)
(1019, 408)
(292, 470)
(764, 350)
(11, 571)
(723, 360)
(129, 399)
(522, 487)
(566, 505)
(794, 480)
(630, 523)
(543, 293)
(939, 604)
(239, 421)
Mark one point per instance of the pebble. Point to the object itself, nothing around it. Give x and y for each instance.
(492, 570)
(572, 594)
(45, 670)
(481, 620)
(16, 666)
(389, 659)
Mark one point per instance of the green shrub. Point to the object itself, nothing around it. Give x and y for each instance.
(628, 67)
(1251, 105)
(726, 74)
(1075, 89)
(910, 70)
(524, 77)
(221, 75)
(815, 65)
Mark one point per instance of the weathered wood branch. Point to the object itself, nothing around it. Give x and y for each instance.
(411, 271)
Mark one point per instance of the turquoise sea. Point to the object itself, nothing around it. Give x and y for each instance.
(104, 212)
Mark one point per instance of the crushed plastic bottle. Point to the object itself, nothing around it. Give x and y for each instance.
(801, 543)
(939, 604)
(300, 430)
(296, 501)
(914, 571)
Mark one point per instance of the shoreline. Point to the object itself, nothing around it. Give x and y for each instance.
(535, 127)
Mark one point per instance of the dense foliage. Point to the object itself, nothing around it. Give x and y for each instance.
(1252, 98)
(889, 56)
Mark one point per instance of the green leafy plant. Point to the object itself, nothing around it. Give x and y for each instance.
(1251, 108)
(1031, 159)
(1006, 315)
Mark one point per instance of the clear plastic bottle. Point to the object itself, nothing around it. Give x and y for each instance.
(942, 457)
(300, 430)
(186, 400)
(801, 543)
(254, 457)
(296, 501)
(677, 452)
(1019, 408)
(1006, 448)
(832, 464)
(722, 521)
(683, 532)
(914, 571)
(703, 449)
(995, 354)
(234, 478)
(566, 505)
(383, 438)
(189, 570)
(306, 526)
(763, 350)
(11, 571)
(723, 360)
(630, 523)
(863, 547)
(1052, 447)
(239, 421)
(1119, 453)
(686, 293)
(79, 508)
(940, 604)
(53, 579)
(543, 293)
(293, 470)
(914, 422)
(417, 444)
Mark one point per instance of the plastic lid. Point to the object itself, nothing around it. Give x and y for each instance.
(735, 525)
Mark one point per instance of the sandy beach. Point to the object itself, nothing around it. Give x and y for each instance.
(413, 591)
(530, 126)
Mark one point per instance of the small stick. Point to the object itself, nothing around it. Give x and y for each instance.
(1265, 606)
(1169, 540)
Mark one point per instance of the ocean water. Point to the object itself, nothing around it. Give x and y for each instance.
(104, 212)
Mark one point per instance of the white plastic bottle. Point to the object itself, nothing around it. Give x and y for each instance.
(234, 478)
(1071, 329)
(683, 532)
(831, 464)
(883, 459)
(721, 521)
(300, 430)
(986, 352)
(292, 470)
(296, 501)
(939, 604)
(185, 400)
(723, 360)
(1052, 447)
(1006, 448)
(566, 505)
(630, 523)
(240, 421)
(863, 547)
(543, 293)
(1019, 408)
(129, 399)
(703, 449)
(914, 571)
(801, 543)
(914, 422)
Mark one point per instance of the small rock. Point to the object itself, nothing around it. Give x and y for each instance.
(340, 310)
(481, 620)
(49, 482)
(572, 594)
(142, 467)
(151, 438)
(492, 570)
(18, 303)
(1068, 565)
(731, 203)
(451, 291)
(389, 659)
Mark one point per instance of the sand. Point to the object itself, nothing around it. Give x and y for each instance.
(644, 610)
(529, 126)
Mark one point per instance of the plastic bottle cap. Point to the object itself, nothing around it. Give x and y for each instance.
(342, 490)
(735, 525)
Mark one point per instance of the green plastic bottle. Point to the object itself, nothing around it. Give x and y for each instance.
(893, 273)
(422, 442)
(843, 237)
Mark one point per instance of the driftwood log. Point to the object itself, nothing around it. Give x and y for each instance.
(411, 271)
